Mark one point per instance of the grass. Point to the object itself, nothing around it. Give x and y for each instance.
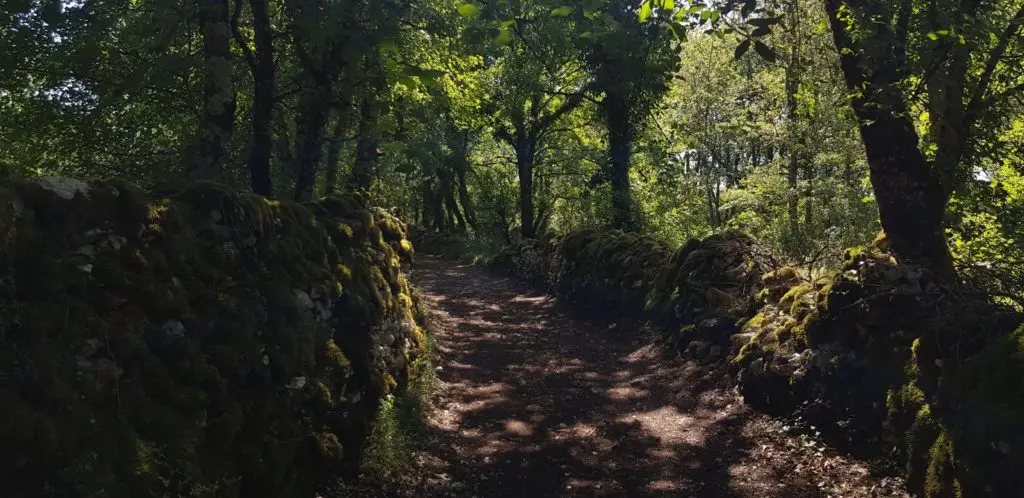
(401, 425)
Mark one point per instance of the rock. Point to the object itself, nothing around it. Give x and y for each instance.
(63, 187)
(174, 328)
(302, 300)
(697, 349)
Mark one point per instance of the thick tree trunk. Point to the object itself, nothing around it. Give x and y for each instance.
(283, 147)
(207, 160)
(453, 207)
(620, 151)
(263, 70)
(312, 122)
(911, 200)
(526, 152)
(365, 168)
(334, 155)
(464, 199)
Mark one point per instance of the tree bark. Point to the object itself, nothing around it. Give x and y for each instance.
(464, 199)
(620, 150)
(792, 88)
(312, 122)
(283, 147)
(261, 148)
(334, 155)
(911, 200)
(526, 153)
(218, 118)
(365, 168)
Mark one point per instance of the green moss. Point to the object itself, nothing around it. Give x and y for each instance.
(755, 322)
(941, 481)
(181, 347)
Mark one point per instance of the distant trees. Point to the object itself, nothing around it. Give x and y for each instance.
(791, 119)
(898, 57)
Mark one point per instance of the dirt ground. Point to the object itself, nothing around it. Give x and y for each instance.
(540, 400)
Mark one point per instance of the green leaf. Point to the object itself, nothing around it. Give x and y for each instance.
(420, 72)
(504, 37)
(933, 36)
(741, 49)
(562, 11)
(388, 47)
(469, 10)
(762, 31)
(764, 51)
(645, 11)
(821, 27)
(677, 30)
(668, 4)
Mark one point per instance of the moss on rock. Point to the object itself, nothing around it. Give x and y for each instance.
(888, 356)
(210, 344)
(881, 354)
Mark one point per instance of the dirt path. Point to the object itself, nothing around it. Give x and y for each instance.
(541, 402)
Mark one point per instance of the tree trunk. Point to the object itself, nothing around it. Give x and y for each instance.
(334, 155)
(620, 150)
(809, 195)
(792, 88)
(365, 168)
(218, 120)
(263, 70)
(312, 122)
(526, 152)
(911, 201)
(464, 199)
(453, 207)
(283, 149)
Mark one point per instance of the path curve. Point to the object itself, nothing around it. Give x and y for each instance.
(541, 401)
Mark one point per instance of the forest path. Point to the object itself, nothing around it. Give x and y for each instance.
(539, 401)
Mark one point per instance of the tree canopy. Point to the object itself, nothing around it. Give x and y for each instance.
(810, 124)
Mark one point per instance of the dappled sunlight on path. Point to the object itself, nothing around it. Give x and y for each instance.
(540, 401)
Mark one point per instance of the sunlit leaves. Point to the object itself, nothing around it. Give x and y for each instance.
(504, 37)
(563, 11)
(469, 10)
(645, 11)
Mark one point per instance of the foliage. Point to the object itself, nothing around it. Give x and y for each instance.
(540, 125)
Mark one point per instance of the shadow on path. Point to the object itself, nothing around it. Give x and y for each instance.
(541, 402)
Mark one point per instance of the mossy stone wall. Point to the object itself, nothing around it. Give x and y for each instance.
(206, 344)
(880, 354)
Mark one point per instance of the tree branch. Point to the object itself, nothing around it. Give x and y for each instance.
(250, 58)
(977, 97)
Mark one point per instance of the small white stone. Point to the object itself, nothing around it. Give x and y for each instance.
(302, 300)
(63, 187)
(174, 328)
